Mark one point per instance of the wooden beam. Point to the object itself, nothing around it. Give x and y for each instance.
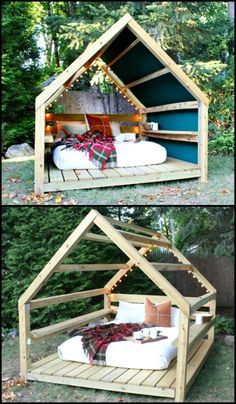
(88, 267)
(212, 310)
(201, 300)
(115, 297)
(39, 150)
(104, 239)
(24, 339)
(170, 107)
(172, 132)
(171, 267)
(197, 332)
(48, 301)
(149, 77)
(89, 52)
(118, 57)
(141, 240)
(180, 138)
(147, 240)
(203, 140)
(58, 257)
(67, 324)
(182, 354)
(142, 263)
(166, 60)
(133, 226)
(120, 84)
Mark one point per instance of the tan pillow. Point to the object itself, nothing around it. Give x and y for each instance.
(159, 314)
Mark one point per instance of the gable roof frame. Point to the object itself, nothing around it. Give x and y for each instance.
(136, 258)
(94, 51)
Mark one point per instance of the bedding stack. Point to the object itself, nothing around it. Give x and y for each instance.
(107, 344)
(99, 143)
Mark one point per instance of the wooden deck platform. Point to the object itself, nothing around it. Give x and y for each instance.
(172, 169)
(52, 369)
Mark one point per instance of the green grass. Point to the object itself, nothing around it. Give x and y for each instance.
(215, 382)
(17, 181)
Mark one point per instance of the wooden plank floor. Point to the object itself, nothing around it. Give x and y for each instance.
(57, 180)
(52, 369)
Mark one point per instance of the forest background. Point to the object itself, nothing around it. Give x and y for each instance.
(32, 235)
(42, 38)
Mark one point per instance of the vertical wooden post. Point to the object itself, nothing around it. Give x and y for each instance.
(107, 304)
(39, 150)
(203, 140)
(24, 336)
(181, 369)
(143, 120)
(211, 332)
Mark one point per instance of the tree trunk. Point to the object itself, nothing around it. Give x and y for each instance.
(72, 9)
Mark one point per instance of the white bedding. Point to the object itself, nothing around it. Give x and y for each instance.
(154, 355)
(129, 154)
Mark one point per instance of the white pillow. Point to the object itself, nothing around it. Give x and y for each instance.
(175, 313)
(126, 137)
(115, 128)
(130, 312)
(74, 127)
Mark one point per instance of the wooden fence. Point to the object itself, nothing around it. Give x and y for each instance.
(94, 102)
(219, 271)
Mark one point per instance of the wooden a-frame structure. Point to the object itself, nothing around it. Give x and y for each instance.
(160, 90)
(194, 341)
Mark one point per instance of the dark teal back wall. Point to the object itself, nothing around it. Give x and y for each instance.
(136, 63)
(165, 89)
(186, 151)
(175, 120)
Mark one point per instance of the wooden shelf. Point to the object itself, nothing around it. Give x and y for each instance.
(171, 132)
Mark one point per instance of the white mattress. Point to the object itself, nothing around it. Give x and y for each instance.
(154, 355)
(129, 154)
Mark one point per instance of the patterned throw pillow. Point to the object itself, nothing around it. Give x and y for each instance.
(158, 315)
(101, 122)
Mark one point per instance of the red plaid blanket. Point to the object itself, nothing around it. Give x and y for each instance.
(100, 149)
(96, 339)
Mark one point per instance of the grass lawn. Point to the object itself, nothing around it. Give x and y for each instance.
(215, 382)
(17, 188)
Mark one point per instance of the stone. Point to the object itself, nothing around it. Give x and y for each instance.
(19, 150)
(229, 340)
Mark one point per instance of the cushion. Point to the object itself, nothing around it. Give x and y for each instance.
(130, 312)
(71, 128)
(115, 128)
(158, 314)
(175, 313)
(101, 122)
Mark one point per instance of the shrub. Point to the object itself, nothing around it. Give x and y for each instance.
(224, 325)
(223, 143)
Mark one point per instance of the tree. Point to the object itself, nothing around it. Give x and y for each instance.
(20, 71)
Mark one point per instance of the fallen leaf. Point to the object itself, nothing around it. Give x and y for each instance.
(14, 179)
(12, 195)
(225, 191)
(58, 199)
(8, 395)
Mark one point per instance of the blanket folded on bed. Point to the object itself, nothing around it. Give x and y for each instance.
(100, 149)
(96, 339)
